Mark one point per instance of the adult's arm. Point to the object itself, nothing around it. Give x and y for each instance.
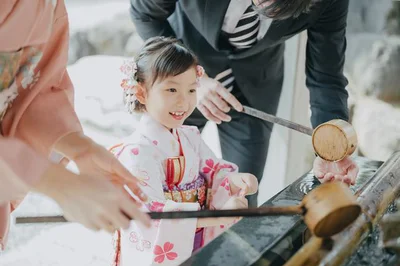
(325, 57)
(150, 17)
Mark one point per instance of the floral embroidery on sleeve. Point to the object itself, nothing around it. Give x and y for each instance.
(166, 252)
(156, 206)
(225, 184)
(142, 176)
(211, 168)
(141, 244)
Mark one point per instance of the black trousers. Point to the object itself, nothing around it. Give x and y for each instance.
(244, 141)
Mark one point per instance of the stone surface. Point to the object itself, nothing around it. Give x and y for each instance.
(376, 70)
(257, 240)
(106, 31)
(98, 98)
(378, 128)
(393, 19)
(367, 15)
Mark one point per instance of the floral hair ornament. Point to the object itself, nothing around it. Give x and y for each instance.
(199, 72)
(129, 68)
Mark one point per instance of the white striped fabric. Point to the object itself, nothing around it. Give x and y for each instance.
(246, 30)
(243, 37)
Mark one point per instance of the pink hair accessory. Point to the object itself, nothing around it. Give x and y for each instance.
(199, 71)
(129, 68)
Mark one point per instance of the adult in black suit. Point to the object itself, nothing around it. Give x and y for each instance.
(256, 65)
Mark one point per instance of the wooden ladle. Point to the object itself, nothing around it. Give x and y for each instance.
(327, 210)
(332, 141)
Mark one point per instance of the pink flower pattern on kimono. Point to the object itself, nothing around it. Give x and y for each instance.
(140, 243)
(166, 252)
(135, 151)
(212, 168)
(225, 184)
(156, 206)
(229, 167)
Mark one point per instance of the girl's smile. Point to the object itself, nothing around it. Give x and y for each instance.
(178, 115)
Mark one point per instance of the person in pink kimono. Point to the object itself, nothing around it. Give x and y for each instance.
(176, 169)
(37, 119)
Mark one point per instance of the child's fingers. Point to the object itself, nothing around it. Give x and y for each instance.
(251, 184)
(352, 173)
(328, 177)
(253, 187)
(240, 203)
(244, 191)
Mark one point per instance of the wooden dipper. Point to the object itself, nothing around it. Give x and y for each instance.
(332, 141)
(327, 210)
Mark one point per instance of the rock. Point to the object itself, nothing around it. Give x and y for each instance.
(378, 128)
(367, 16)
(393, 20)
(376, 70)
(79, 46)
(105, 32)
(98, 98)
(133, 45)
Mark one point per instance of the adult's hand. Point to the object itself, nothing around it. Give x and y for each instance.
(94, 160)
(91, 201)
(214, 101)
(345, 170)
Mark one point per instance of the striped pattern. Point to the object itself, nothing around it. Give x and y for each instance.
(246, 31)
(226, 78)
(243, 37)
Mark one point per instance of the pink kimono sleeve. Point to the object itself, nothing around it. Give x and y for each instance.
(43, 114)
(216, 171)
(20, 168)
(167, 242)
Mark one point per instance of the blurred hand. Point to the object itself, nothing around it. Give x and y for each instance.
(95, 161)
(345, 170)
(214, 101)
(243, 183)
(93, 202)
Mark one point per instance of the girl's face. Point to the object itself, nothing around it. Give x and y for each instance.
(171, 100)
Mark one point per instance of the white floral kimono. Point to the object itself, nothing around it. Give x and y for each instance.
(175, 169)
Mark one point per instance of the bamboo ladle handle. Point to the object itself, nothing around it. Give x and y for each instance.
(327, 210)
(332, 141)
(250, 212)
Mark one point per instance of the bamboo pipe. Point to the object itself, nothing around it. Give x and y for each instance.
(374, 199)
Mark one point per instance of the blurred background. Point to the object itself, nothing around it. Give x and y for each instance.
(102, 35)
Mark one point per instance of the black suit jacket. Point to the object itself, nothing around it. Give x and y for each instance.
(259, 70)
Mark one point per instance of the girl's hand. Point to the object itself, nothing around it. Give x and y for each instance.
(243, 183)
(233, 203)
(345, 170)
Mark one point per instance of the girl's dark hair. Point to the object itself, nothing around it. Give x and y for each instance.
(283, 9)
(159, 58)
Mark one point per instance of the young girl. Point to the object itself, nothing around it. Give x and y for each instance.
(176, 169)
